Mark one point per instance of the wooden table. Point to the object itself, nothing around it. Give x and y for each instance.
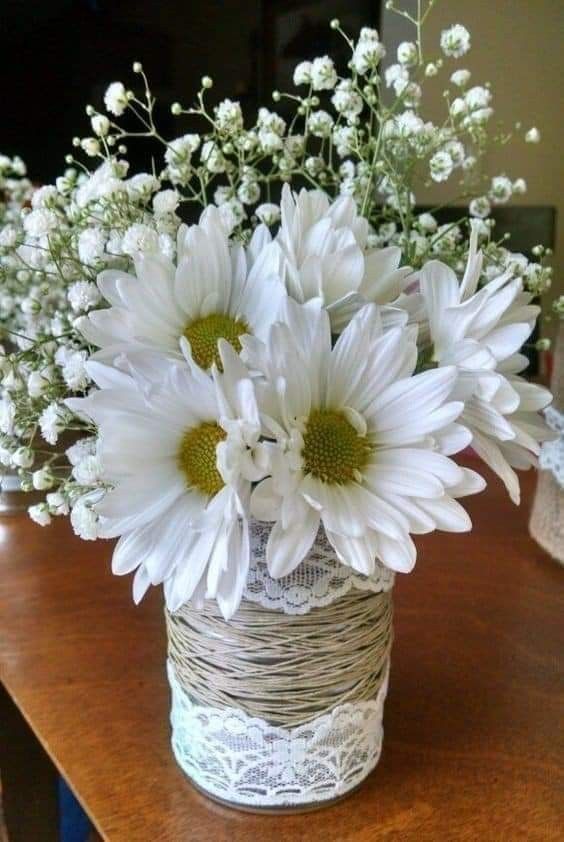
(473, 748)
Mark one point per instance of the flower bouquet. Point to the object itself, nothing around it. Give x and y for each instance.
(266, 402)
(15, 194)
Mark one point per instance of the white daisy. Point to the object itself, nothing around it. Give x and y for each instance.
(360, 444)
(178, 449)
(216, 291)
(325, 256)
(481, 332)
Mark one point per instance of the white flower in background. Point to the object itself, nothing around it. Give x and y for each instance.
(477, 97)
(519, 186)
(23, 457)
(231, 213)
(44, 197)
(216, 291)
(73, 369)
(91, 146)
(345, 139)
(360, 443)
(268, 213)
(394, 74)
(456, 151)
(8, 236)
(7, 415)
(460, 78)
(104, 182)
(165, 202)
(501, 189)
(140, 239)
(52, 421)
(115, 99)
(229, 117)
(324, 255)
(271, 130)
(82, 296)
(88, 471)
(91, 244)
(248, 192)
(100, 125)
(533, 136)
(323, 74)
(481, 332)
(84, 520)
(427, 222)
(81, 450)
(302, 73)
(180, 452)
(178, 156)
(40, 222)
(40, 514)
(42, 479)
(212, 157)
(441, 166)
(346, 100)
(407, 53)
(141, 186)
(39, 381)
(480, 207)
(58, 503)
(320, 123)
(368, 52)
(455, 41)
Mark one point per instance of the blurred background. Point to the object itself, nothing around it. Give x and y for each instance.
(57, 55)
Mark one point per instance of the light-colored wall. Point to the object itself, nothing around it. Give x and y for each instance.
(517, 46)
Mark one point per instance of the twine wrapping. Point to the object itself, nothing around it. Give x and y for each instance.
(285, 669)
(547, 517)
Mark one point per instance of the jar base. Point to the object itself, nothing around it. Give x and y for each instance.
(290, 810)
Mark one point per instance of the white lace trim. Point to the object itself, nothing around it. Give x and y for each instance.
(319, 580)
(246, 761)
(552, 452)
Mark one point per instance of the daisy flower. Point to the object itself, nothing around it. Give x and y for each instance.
(359, 444)
(481, 332)
(179, 451)
(217, 290)
(325, 256)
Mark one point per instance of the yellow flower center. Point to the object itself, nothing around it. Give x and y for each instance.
(203, 336)
(333, 451)
(197, 457)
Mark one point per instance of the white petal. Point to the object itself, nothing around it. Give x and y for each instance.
(286, 548)
(358, 553)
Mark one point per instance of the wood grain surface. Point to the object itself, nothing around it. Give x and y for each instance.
(473, 746)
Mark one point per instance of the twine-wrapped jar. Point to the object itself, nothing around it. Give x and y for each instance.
(547, 517)
(281, 707)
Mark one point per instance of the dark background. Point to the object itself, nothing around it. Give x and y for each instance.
(59, 55)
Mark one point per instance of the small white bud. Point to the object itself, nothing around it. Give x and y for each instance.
(207, 82)
(23, 457)
(533, 135)
(137, 67)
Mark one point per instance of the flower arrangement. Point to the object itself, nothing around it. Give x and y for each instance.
(266, 330)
